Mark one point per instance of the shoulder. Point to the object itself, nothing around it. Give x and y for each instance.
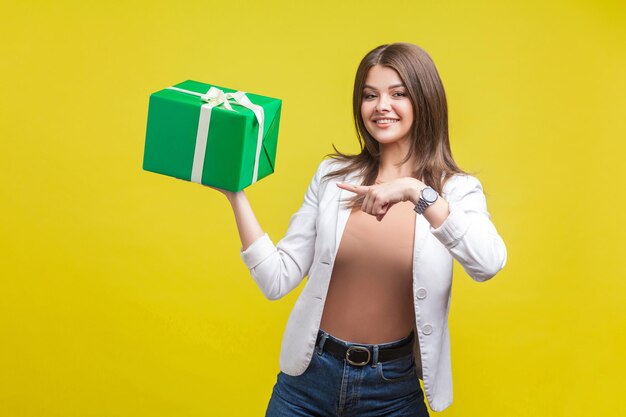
(327, 166)
(330, 164)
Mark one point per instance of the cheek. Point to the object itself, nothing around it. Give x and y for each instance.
(407, 108)
(408, 113)
(364, 111)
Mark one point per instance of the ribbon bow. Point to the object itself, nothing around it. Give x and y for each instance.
(213, 98)
(216, 96)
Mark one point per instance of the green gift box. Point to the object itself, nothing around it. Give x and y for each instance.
(211, 135)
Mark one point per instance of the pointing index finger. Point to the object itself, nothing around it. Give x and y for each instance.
(358, 189)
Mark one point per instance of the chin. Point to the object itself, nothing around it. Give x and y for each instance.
(386, 137)
(386, 140)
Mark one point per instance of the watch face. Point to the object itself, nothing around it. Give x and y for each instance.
(429, 194)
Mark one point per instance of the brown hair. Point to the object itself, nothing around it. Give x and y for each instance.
(429, 134)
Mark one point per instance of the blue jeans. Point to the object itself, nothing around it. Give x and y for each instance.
(332, 387)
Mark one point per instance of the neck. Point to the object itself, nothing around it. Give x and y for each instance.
(391, 155)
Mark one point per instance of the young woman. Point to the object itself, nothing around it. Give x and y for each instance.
(376, 235)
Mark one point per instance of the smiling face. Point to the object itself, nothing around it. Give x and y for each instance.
(386, 108)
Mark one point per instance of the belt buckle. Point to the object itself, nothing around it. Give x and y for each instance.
(358, 349)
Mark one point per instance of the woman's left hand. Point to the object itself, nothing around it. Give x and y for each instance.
(379, 198)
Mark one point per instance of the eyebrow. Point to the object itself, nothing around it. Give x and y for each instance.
(391, 86)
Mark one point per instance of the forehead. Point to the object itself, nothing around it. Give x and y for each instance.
(381, 77)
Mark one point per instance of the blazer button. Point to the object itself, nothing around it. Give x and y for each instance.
(421, 293)
(427, 329)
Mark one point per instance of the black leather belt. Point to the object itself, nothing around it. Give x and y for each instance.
(363, 355)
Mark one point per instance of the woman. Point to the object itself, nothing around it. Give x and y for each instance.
(376, 235)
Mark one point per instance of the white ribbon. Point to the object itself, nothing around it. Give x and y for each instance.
(215, 97)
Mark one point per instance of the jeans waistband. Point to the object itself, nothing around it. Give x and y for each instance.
(359, 354)
(321, 333)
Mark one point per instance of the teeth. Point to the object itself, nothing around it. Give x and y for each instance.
(386, 121)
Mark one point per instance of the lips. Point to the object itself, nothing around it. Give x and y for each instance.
(385, 121)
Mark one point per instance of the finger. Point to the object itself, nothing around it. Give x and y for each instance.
(380, 214)
(389, 207)
(384, 210)
(366, 206)
(381, 209)
(370, 202)
(358, 189)
(379, 202)
(221, 190)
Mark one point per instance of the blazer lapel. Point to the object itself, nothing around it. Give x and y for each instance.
(422, 229)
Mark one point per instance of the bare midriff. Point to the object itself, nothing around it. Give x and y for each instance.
(370, 297)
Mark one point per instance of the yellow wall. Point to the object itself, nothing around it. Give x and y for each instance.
(122, 292)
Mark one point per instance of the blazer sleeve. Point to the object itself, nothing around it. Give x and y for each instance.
(278, 269)
(468, 233)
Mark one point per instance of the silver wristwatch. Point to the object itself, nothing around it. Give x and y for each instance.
(427, 197)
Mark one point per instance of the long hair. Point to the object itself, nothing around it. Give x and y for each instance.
(430, 145)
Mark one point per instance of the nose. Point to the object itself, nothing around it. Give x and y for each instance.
(383, 103)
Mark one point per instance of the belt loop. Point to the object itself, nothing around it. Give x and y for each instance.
(375, 357)
(321, 342)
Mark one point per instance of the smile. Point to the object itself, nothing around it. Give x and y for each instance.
(386, 121)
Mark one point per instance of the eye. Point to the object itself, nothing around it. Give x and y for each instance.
(400, 94)
(367, 96)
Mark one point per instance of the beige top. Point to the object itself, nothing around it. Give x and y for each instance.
(370, 297)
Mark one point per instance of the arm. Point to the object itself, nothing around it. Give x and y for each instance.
(460, 221)
(378, 199)
(247, 224)
(468, 233)
(278, 269)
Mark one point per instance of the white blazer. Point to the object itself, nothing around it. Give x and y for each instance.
(310, 246)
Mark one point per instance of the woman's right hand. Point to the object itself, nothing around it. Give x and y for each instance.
(229, 194)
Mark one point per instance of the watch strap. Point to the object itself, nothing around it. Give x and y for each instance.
(421, 206)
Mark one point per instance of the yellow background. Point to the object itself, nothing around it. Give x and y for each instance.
(122, 292)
